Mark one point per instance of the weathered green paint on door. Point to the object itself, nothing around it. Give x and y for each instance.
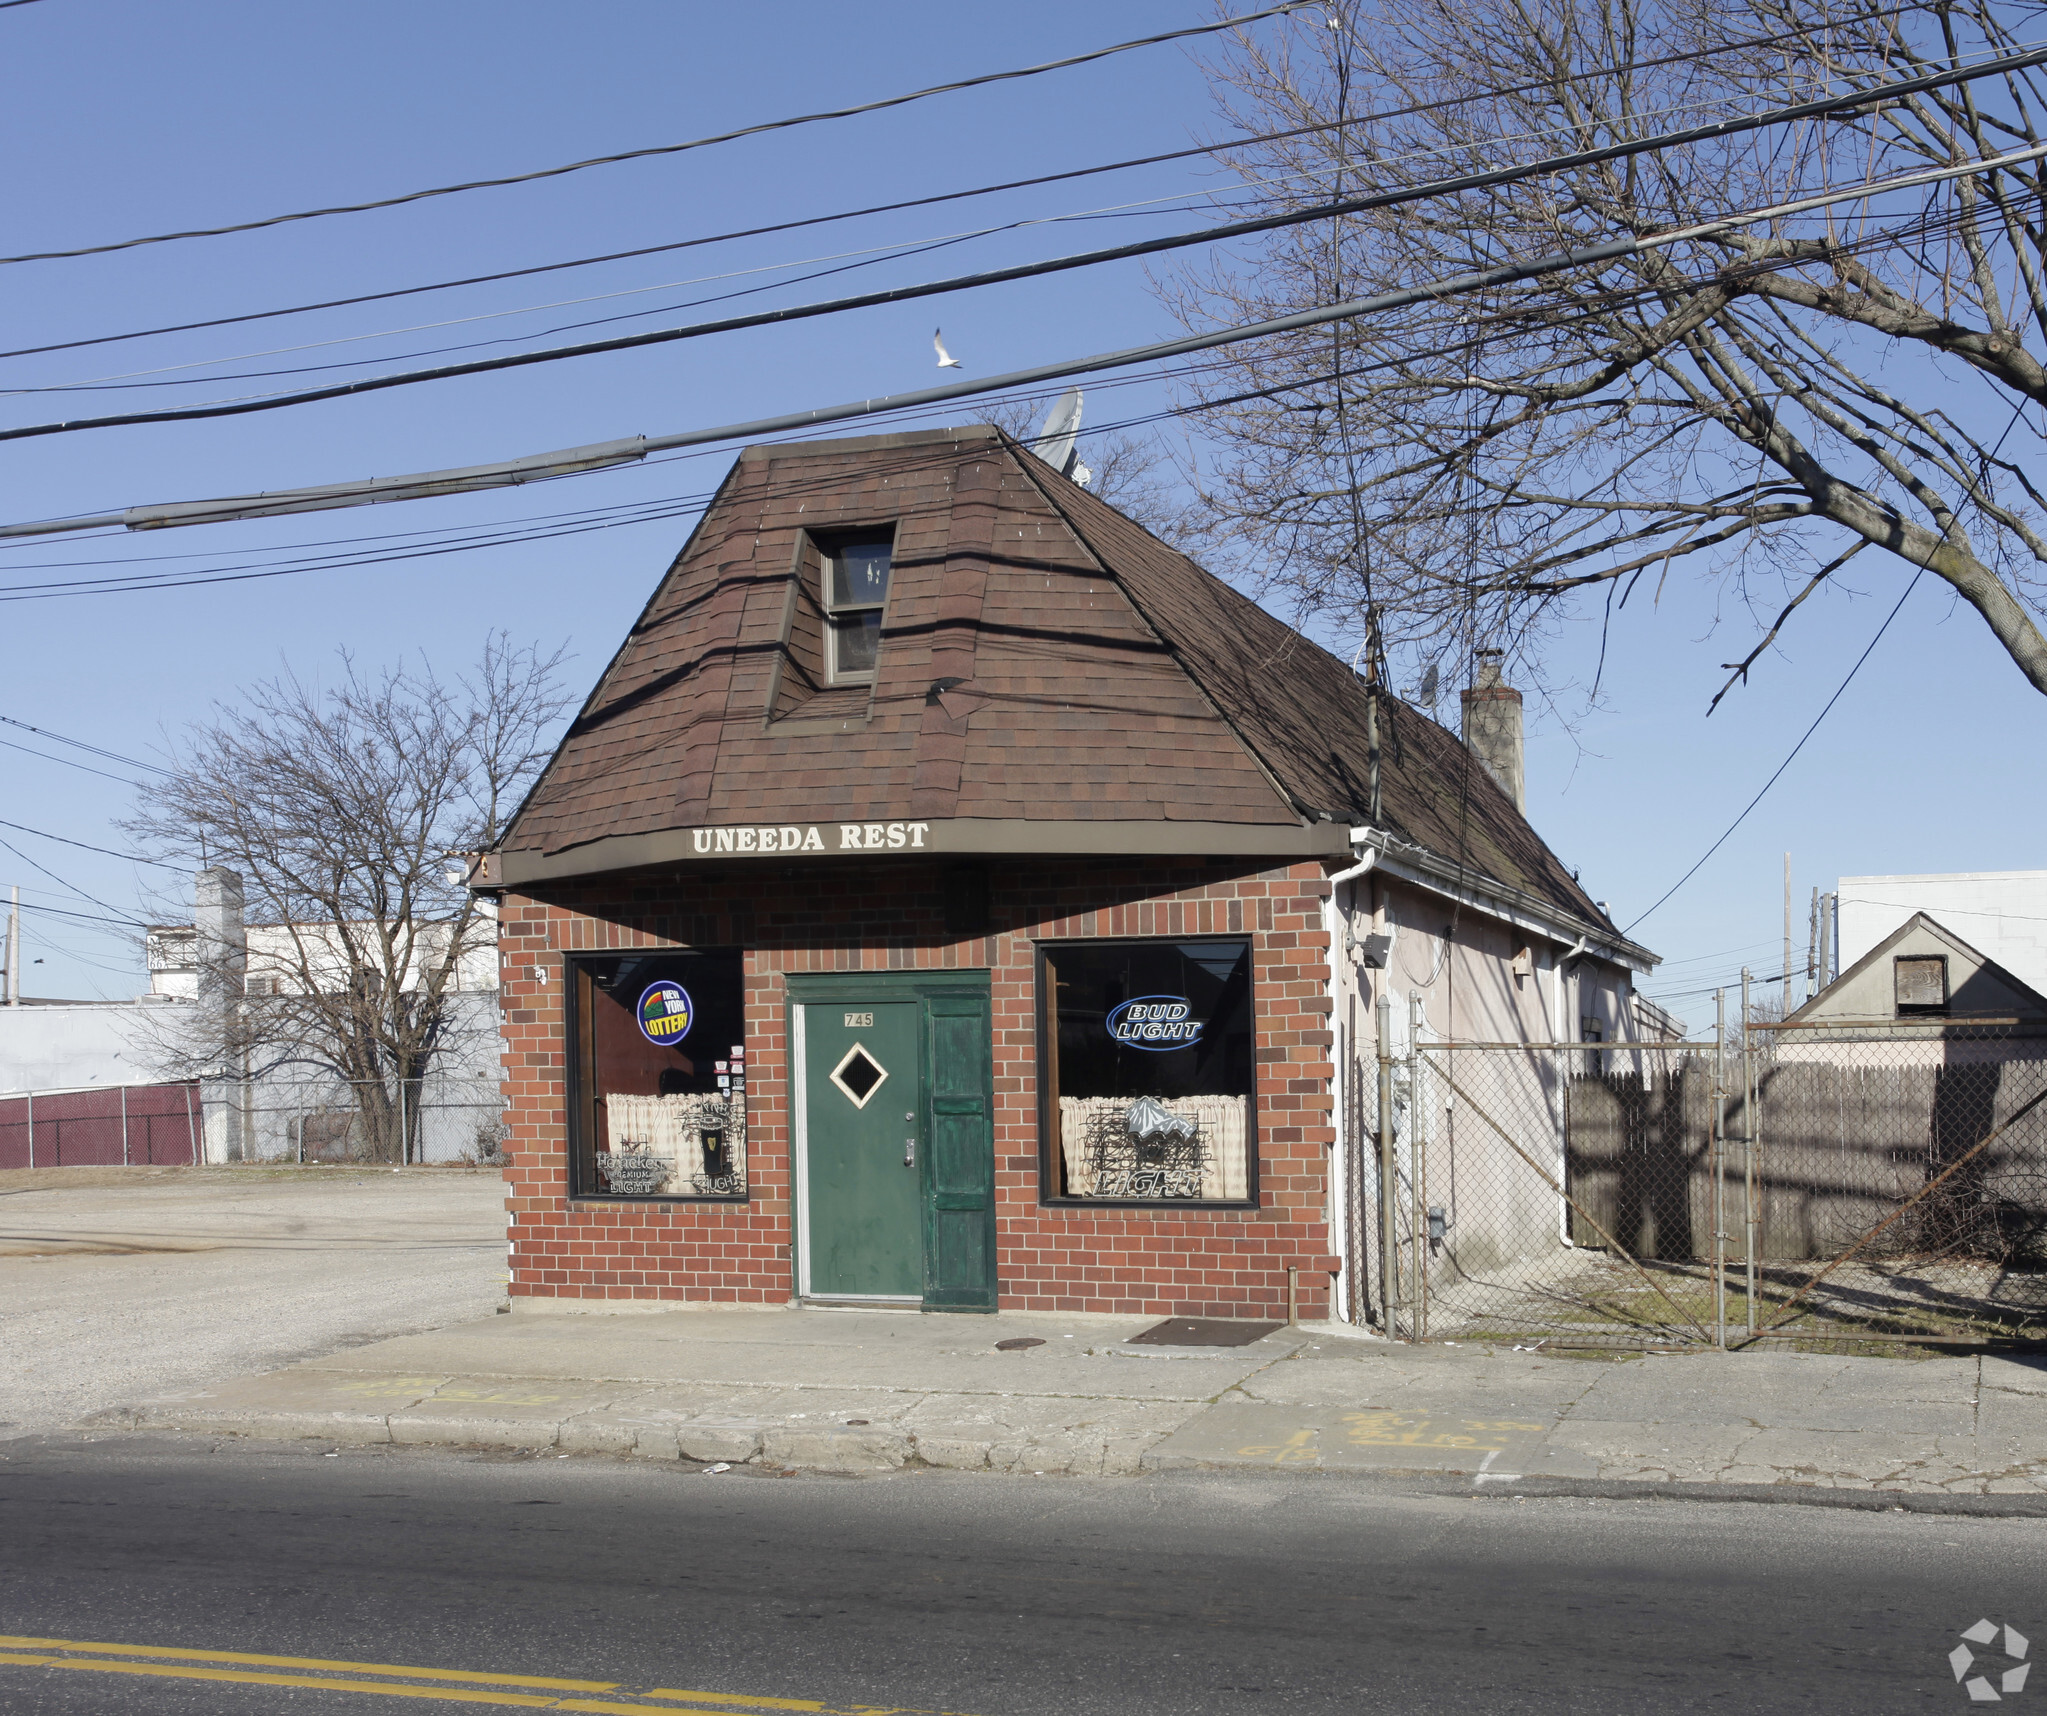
(899, 1188)
(959, 1205)
(865, 1181)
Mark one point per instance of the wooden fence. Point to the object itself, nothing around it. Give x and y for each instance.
(1845, 1135)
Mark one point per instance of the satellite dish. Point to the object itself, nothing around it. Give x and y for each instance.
(1055, 441)
(1427, 696)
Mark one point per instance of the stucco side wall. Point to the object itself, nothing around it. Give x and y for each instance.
(1147, 1261)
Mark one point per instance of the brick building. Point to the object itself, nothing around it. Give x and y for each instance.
(952, 896)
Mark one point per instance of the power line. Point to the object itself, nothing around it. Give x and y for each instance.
(175, 376)
(665, 148)
(80, 744)
(86, 917)
(1208, 149)
(417, 544)
(1611, 250)
(85, 846)
(1786, 763)
(68, 887)
(68, 762)
(540, 466)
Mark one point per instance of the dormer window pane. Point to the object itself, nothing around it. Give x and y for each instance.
(856, 642)
(856, 580)
(860, 575)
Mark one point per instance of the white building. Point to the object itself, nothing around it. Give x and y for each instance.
(2000, 913)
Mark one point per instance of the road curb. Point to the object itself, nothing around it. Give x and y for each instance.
(864, 1451)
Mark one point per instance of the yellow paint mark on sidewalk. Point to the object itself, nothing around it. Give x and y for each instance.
(1299, 1449)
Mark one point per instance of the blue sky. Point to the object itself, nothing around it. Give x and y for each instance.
(125, 118)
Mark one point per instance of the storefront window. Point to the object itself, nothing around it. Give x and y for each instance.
(1147, 1070)
(657, 1100)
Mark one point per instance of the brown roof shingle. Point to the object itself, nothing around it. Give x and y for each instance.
(1104, 676)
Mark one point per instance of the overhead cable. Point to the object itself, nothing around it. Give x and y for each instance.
(87, 846)
(68, 887)
(1376, 117)
(1142, 247)
(68, 762)
(631, 449)
(81, 745)
(665, 148)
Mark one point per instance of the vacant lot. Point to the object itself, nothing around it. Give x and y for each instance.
(116, 1283)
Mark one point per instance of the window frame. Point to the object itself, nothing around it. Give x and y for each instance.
(829, 547)
(1045, 1008)
(579, 1103)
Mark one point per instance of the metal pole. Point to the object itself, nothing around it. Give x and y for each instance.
(403, 1153)
(1417, 1213)
(1720, 1169)
(191, 1125)
(14, 946)
(31, 1126)
(1787, 935)
(1748, 1152)
(1389, 1266)
(124, 1126)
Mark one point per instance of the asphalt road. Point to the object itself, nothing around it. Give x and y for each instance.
(116, 1284)
(929, 1591)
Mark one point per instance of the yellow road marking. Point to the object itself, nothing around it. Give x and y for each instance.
(315, 1683)
(309, 1662)
(21, 1652)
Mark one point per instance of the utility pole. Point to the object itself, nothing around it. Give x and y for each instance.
(14, 946)
(1787, 935)
(1812, 947)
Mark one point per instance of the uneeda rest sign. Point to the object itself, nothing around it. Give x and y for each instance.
(665, 1013)
(764, 840)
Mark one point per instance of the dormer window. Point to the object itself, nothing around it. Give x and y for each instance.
(1921, 985)
(856, 576)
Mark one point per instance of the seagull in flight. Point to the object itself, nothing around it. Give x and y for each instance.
(945, 358)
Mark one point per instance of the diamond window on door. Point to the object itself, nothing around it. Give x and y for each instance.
(859, 1075)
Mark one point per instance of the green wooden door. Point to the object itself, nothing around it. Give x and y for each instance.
(863, 1095)
(959, 1191)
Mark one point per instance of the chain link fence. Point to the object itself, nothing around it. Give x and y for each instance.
(447, 1118)
(1880, 1185)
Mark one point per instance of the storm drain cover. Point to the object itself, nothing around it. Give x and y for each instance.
(859, 1075)
(1202, 1332)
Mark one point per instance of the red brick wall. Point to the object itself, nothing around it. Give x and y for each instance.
(1184, 1260)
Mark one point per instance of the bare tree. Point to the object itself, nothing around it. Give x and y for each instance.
(345, 810)
(1757, 407)
(1130, 471)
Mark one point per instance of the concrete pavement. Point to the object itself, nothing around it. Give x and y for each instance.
(120, 1283)
(860, 1391)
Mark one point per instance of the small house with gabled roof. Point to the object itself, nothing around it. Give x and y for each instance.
(952, 896)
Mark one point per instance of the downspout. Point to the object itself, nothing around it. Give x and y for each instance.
(1340, 1179)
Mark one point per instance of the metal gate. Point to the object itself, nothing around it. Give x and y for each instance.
(1881, 1186)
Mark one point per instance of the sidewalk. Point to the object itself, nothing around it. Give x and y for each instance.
(858, 1391)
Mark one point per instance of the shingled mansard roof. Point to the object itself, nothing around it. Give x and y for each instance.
(1109, 695)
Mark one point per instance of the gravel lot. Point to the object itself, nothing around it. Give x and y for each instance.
(118, 1283)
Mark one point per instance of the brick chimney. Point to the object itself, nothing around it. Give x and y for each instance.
(1492, 727)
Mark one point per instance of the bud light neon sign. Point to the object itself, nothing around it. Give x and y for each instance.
(666, 1013)
(1155, 1022)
